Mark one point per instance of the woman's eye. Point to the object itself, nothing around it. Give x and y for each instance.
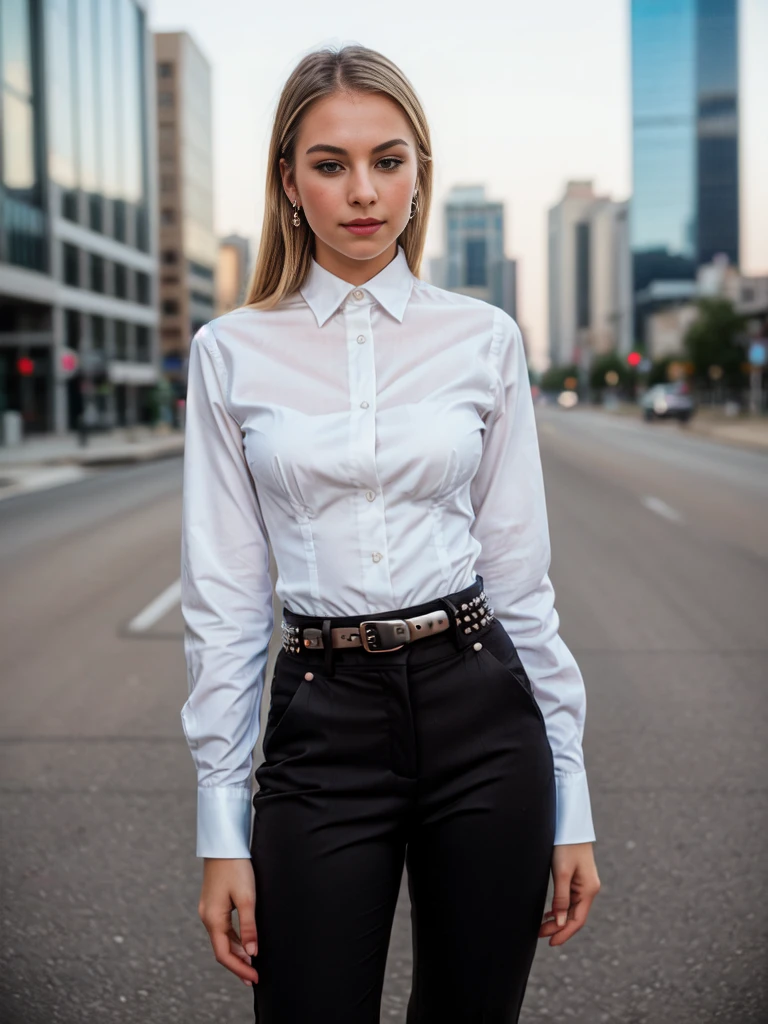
(328, 166)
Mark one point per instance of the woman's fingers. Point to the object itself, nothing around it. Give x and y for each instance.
(224, 942)
(561, 899)
(577, 917)
(549, 925)
(228, 884)
(576, 885)
(236, 947)
(246, 916)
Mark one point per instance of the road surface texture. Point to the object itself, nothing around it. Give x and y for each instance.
(660, 565)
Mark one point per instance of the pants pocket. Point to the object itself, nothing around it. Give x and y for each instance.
(499, 649)
(287, 683)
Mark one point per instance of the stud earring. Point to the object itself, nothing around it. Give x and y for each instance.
(296, 218)
(415, 207)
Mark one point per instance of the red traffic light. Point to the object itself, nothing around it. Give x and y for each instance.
(25, 366)
(634, 358)
(69, 362)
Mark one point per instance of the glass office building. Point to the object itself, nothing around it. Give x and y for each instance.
(685, 199)
(78, 261)
(188, 246)
(474, 262)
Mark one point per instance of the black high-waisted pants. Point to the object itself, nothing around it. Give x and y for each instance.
(435, 754)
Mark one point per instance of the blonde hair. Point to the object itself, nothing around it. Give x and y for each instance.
(285, 251)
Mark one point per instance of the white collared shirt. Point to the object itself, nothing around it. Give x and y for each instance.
(382, 437)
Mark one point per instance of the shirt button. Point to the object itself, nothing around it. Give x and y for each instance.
(370, 495)
(358, 293)
(361, 339)
(363, 405)
(376, 556)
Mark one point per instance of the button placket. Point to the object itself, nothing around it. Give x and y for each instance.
(362, 446)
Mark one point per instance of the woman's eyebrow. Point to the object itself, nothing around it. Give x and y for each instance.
(343, 152)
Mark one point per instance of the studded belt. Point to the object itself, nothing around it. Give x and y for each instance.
(377, 636)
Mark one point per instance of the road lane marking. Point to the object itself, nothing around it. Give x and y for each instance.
(156, 609)
(661, 508)
(23, 479)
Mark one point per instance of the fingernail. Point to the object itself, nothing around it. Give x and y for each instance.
(250, 949)
(561, 919)
(245, 981)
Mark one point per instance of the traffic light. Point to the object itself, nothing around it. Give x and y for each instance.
(634, 358)
(69, 362)
(25, 366)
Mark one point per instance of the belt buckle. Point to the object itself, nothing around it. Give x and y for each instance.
(371, 633)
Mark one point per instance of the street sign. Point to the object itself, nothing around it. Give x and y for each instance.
(757, 351)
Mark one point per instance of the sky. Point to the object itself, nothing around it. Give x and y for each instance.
(520, 97)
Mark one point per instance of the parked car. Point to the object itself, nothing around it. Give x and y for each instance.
(668, 401)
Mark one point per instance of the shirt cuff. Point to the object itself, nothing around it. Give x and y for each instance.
(574, 811)
(223, 821)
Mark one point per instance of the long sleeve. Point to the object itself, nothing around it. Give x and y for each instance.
(511, 525)
(226, 603)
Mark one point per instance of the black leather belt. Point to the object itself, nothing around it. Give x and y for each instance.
(377, 636)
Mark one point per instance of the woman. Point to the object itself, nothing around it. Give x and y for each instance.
(379, 432)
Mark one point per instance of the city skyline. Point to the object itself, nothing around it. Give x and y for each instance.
(570, 66)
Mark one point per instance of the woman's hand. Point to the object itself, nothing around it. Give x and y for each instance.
(229, 884)
(576, 885)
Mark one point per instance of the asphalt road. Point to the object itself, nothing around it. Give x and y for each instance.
(660, 564)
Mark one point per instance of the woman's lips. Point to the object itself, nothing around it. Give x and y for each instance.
(363, 229)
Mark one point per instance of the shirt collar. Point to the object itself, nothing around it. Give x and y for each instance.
(391, 288)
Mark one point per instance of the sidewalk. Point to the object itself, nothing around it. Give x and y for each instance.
(126, 444)
(43, 462)
(743, 431)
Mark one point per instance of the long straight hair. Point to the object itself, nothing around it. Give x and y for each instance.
(285, 252)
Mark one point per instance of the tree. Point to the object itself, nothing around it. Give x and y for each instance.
(711, 340)
(554, 378)
(605, 363)
(659, 371)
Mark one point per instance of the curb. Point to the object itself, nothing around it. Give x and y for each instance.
(733, 442)
(96, 458)
(699, 428)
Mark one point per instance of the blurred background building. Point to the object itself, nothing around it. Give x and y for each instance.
(188, 247)
(77, 204)
(589, 276)
(624, 278)
(685, 146)
(233, 269)
(473, 262)
(666, 325)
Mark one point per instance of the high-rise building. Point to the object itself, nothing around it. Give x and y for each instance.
(78, 263)
(685, 138)
(232, 269)
(474, 262)
(589, 278)
(188, 246)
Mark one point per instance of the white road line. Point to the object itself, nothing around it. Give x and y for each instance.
(661, 508)
(23, 479)
(156, 609)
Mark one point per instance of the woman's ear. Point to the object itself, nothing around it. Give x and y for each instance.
(287, 179)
